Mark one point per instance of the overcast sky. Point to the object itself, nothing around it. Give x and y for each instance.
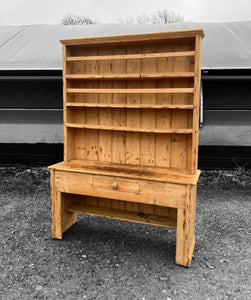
(20, 12)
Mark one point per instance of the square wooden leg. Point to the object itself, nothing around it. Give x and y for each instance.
(185, 240)
(61, 220)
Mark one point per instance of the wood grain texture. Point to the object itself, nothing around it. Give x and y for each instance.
(118, 116)
(131, 67)
(142, 217)
(133, 116)
(91, 116)
(145, 129)
(130, 56)
(197, 79)
(179, 143)
(61, 219)
(177, 34)
(68, 150)
(131, 108)
(132, 104)
(164, 117)
(148, 192)
(122, 90)
(185, 240)
(67, 218)
(53, 203)
(148, 117)
(105, 115)
(128, 171)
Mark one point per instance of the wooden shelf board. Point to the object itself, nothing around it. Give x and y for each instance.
(124, 128)
(159, 174)
(142, 37)
(132, 75)
(132, 91)
(123, 215)
(131, 56)
(138, 106)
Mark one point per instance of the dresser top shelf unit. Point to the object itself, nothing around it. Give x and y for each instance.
(133, 100)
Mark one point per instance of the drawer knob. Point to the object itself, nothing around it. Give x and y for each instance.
(114, 185)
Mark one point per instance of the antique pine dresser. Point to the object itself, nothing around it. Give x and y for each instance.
(131, 114)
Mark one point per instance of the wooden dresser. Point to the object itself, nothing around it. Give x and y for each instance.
(131, 115)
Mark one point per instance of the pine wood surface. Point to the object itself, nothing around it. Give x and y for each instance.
(129, 216)
(140, 106)
(130, 75)
(177, 34)
(131, 91)
(131, 109)
(110, 89)
(139, 191)
(128, 171)
(131, 56)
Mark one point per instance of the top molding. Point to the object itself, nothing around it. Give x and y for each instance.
(133, 37)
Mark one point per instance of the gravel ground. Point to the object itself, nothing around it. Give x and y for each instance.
(108, 259)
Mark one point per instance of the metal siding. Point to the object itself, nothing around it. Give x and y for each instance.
(225, 46)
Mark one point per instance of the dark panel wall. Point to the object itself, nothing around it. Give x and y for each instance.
(31, 94)
(227, 95)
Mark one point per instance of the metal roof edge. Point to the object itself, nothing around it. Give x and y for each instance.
(30, 69)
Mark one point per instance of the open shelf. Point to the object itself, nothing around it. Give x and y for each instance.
(124, 128)
(132, 91)
(122, 215)
(129, 106)
(131, 56)
(132, 75)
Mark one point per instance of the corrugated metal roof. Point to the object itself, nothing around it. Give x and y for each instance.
(225, 46)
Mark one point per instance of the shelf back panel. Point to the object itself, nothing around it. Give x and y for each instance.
(102, 67)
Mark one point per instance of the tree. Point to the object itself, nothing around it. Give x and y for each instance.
(166, 16)
(72, 19)
(159, 17)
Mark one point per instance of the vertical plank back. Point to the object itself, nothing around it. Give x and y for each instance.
(148, 118)
(133, 116)
(105, 115)
(164, 117)
(118, 115)
(177, 150)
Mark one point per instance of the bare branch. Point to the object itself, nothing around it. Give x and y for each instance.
(163, 16)
(72, 19)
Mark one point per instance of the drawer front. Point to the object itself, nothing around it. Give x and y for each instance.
(140, 191)
(115, 184)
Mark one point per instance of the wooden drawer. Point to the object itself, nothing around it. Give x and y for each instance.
(140, 191)
(115, 184)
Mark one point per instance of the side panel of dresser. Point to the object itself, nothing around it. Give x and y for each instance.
(61, 220)
(185, 238)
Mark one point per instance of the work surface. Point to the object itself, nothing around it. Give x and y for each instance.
(128, 171)
(108, 259)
